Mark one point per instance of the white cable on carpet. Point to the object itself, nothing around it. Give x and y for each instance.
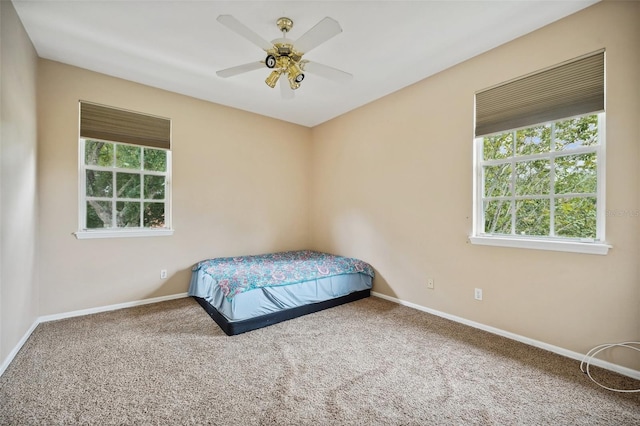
(586, 361)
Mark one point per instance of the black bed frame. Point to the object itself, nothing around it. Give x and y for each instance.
(232, 328)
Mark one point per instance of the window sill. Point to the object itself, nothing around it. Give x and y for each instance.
(541, 244)
(122, 233)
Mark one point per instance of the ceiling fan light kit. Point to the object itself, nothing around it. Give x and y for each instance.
(284, 56)
(284, 64)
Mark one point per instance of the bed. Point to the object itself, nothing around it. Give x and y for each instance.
(249, 292)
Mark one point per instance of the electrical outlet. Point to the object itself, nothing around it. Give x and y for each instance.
(430, 283)
(478, 294)
(163, 274)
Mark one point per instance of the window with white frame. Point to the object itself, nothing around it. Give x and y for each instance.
(125, 173)
(539, 160)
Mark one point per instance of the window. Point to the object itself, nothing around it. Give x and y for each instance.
(124, 174)
(542, 181)
(540, 184)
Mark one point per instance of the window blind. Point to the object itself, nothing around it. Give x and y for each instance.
(118, 125)
(572, 88)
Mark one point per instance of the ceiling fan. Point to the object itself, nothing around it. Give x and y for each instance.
(284, 56)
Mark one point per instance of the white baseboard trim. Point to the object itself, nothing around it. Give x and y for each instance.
(551, 348)
(17, 348)
(55, 317)
(635, 374)
(99, 309)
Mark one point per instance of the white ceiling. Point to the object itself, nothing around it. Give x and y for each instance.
(179, 45)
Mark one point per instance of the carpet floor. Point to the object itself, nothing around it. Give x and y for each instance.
(370, 362)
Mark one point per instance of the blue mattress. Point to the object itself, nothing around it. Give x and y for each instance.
(244, 293)
(267, 300)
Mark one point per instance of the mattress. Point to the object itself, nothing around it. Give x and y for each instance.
(258, 304)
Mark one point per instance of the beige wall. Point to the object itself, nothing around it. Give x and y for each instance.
(18, 206)
(392, 184)
(239, 187)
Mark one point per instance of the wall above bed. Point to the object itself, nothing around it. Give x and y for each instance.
(240, 186)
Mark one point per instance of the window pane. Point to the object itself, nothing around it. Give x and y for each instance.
(154, 187)
(576, 174)
(497, 217)
(533, 140)
(532, 217)
(128, 157)
(153, 215)
(127, 214)
(497, 180)
(576, 133)
(128, 185)
(497, 147)
(98, 214)
(99, 183)
(532, 177)
(576, 217)
(98, 153)
(155, 159)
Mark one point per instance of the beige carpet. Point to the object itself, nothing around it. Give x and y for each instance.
(370, 362)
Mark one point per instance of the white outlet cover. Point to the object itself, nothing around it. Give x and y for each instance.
(478, 294)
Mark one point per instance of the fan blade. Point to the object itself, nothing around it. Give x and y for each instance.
(326, 71)
(241, 29)
(239, 69)
(317, 35)
(285, 90)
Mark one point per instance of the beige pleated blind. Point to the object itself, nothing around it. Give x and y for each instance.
(572, 88)
(118, 125)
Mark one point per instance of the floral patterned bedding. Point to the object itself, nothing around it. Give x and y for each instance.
(235, 275)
